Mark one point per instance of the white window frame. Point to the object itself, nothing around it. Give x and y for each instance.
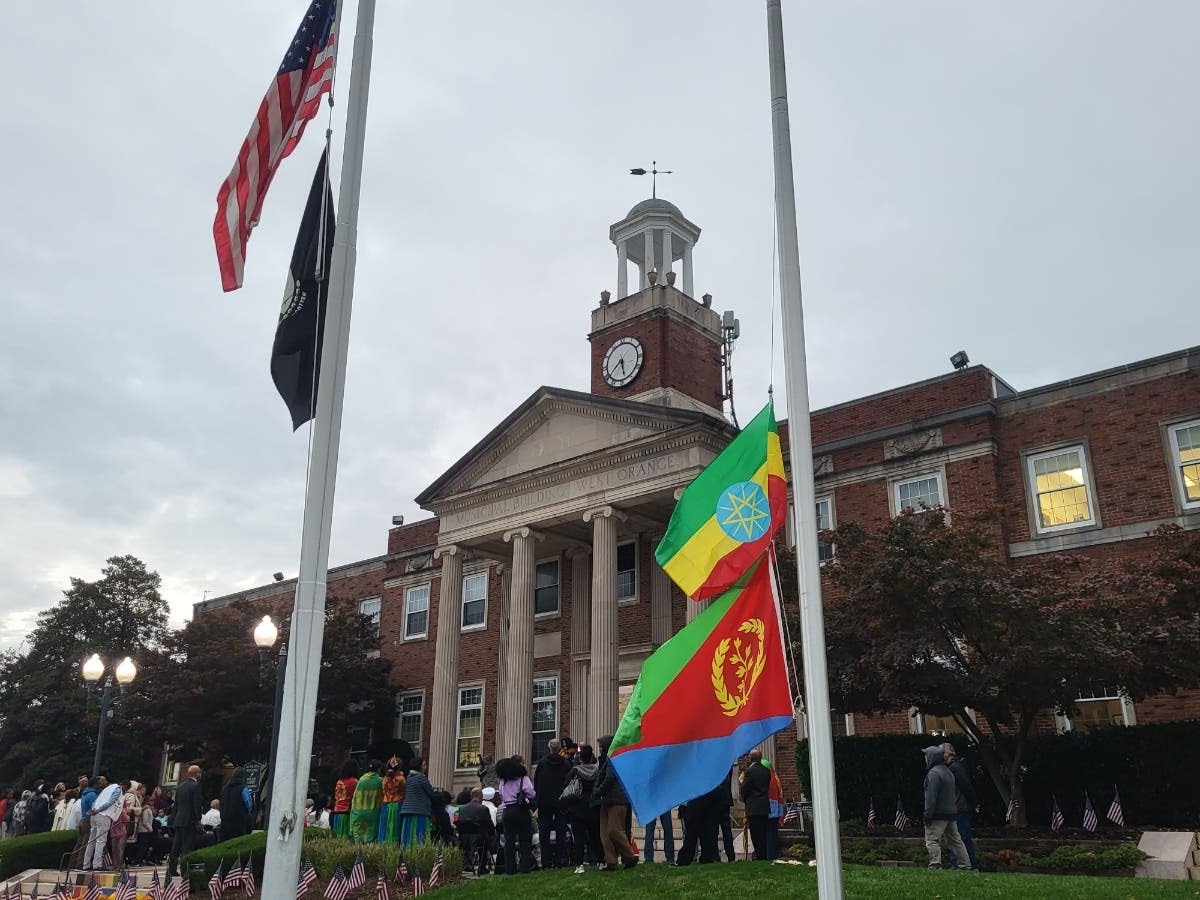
(936, 474)
(828, 498)
(408, 612)
(458, 711)
(376, 617)
(1128, 714)
(1035, 509)
(478, 626)
(1177, 464)
(557, 698)
(636, 554)
(419, 714)
(916, 721)
(557, 611)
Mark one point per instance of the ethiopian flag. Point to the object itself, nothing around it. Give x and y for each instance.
(728, 515)
(705, 697)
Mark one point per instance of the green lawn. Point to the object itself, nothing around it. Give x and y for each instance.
(750, 879)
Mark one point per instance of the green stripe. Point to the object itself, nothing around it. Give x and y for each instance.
(664, 664)
(737, 462)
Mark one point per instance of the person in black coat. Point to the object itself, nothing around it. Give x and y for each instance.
(756, 789)
(235, 814)
(967, 801)
(185, 822)
(701, 822)
(549, 779)
(37, 817)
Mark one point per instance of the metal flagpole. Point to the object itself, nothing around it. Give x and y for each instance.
(816, 679)
(290, 780)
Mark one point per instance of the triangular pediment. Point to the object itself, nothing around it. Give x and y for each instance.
(555, 426)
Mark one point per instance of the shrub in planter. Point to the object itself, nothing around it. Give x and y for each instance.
(1080, 858)
(34, 851)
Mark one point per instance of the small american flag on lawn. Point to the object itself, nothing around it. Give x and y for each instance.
(418, 886)
(155, 887)
(790, 813)
(901, 818)
(234, 876)
(93, 890)
(292, 99)
(1115, 815)
(337, 889)
(63, 892)
(871, 818)
(358, 873)
(1056, 817)
(107, 859)
(248, 885)
(126, 889)
(401, 871)
(381, 888)
(215, 884)
(435, 873)
(32, 891)
(1011, 813)
(307, 876)
(181, 890)
(1089, 814)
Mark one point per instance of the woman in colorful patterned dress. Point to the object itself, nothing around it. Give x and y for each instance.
(343, 796)
(364, 809)
(393, 796)
(416, 812)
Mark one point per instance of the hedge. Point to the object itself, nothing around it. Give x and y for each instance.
(35, 851)
(1149, 764)
(326, 851)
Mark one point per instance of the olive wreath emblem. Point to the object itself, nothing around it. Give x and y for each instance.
(748, 662)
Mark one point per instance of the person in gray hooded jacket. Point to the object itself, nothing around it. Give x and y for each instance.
(941, 809)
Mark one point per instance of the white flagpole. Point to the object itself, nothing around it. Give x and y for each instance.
(816, 678)
(290, 780)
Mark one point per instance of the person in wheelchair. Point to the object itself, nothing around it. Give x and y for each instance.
(476, 834)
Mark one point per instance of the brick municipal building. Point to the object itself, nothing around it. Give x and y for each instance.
(523, 607)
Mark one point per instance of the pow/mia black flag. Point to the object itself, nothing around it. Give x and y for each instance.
(296, 354)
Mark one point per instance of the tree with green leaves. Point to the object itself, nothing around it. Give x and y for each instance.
(203, 692)
(929, 613)
(47, 725)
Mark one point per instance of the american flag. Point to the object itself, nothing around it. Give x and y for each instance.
(233, 877)
(215, 884)
(155, 887)
(108, 861)
(126, 888)
(307, 876)
(901, 819)
(248, 885)
(358, 874)
(1010, 814)
(93, 890)
(1056, 817)
(401, 871)
(181, 890)
(292, 99)
(790, 814)
(1115, 815)
(435, 873)
(62, 892)
(337, 887)
(1089, 814)
(32, 891)
(418, 886)
(871, 820)
(381, 888)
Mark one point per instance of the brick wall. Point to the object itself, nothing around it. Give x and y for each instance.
(675, 355)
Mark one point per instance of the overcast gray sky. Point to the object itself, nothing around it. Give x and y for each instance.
(1015, 179)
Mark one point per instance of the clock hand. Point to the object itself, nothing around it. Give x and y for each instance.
(621, 365)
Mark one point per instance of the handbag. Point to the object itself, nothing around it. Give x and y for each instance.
(573, 792)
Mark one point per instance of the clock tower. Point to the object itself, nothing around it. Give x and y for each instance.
(658, 344)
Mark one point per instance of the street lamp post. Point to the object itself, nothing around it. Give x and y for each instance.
(93, 670)
(265, 635)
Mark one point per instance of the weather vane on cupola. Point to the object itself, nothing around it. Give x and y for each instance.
(653, 173)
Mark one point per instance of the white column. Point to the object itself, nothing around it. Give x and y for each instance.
(694, 608)
(648, 256)
(581, 625)
(666, 256)
(687, 270)
(518, 683)
(603, 680)
(445, 668)
(502, 661)
(622, 269)
(660, 600)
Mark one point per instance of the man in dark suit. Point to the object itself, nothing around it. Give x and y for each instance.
(756, 786)
(189, 807)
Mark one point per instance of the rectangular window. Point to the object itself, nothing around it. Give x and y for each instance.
(1100, 707)
(470, 726)
(416, 612)
(922, 492)
(837, 722)
(627, 571)
(370, 608)
(410, 709)
(1059, 485)
(360, 740)
(545, 713)
(931, 724)
(824, 523)
(474, 601)
(1185, 456)
(545, 588)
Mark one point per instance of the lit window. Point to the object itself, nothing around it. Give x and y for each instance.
(545, 588)
(1185, 458)
(824, 523)
(474, 601)
(919, 493)
(627, 571)
(545, 714)
(1059, 481)
(370, 608)
(409, 710)
(1099, 707)
(416, 612)
(931, 724)
(470, 726)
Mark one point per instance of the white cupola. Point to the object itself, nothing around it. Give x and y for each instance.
(654, 235)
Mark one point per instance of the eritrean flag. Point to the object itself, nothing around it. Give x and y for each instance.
(728, 515)
(708, 695)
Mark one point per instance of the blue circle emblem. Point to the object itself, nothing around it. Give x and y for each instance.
(743, 512)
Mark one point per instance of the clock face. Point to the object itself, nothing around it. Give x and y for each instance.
(623, 361)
